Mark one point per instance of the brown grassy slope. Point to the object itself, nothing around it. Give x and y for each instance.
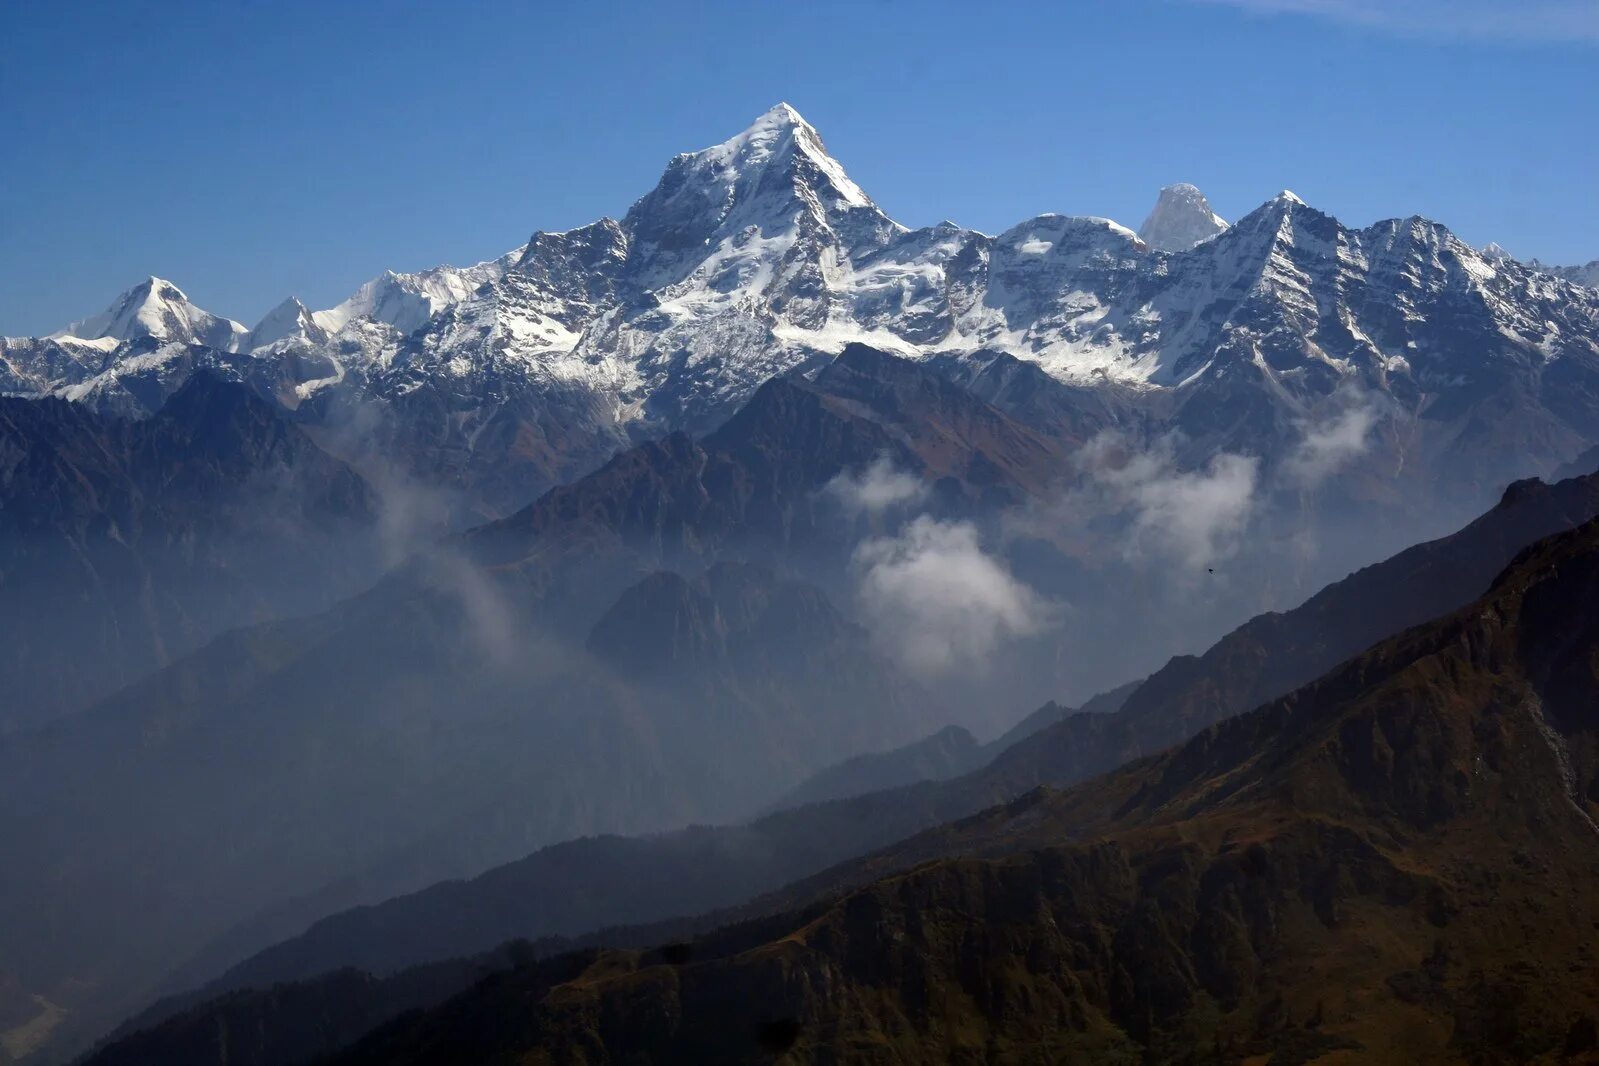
(1398, 862)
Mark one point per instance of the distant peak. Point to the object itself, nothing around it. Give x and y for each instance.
(784, 114)
(1496, 251)
(763, 177)
(157, 288)
(1181, 219)
(1277, 215)
(156, 308)
(781, 133)
(771, 129)
(291, 318)
(290, 310)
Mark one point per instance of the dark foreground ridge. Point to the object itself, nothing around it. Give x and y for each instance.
(1399, 860)
(1265, 657)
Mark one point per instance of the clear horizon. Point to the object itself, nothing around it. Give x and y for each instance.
(402, 137)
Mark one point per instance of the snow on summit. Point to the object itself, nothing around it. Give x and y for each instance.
(785, 129)
(769, 180)
(290, 320)
(760, 255)
(156, 308)
(1180, 219)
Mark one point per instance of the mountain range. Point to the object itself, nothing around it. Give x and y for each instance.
(759, 256)
(1341, 391)
(645, 574)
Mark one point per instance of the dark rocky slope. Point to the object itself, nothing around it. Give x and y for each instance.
(447, 720)
(552, 891)
(1398, 861)
(125, 545)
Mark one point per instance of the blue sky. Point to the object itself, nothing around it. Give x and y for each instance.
(253, 149)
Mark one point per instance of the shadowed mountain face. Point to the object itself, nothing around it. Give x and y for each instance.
(639, 650)
(683, 604)
(552, 891)
(1398, 860)
(324, 760)
(124, 545)
(950, 752)
(755, 481)
(1271, 654)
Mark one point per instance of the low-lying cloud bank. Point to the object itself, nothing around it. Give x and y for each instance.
(937, 602)
(1194, 518)
(1332, 442)
(877, 488)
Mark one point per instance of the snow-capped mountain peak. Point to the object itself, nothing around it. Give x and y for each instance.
(291, 319)
(1587, 274)
(809, 142)
(406, 301)
(1279, 215)
(770, 141)
(157, 308)
(1181, 218)
(765, 184)
(759, 256)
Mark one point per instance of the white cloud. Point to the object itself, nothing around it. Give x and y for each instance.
(878, 488)
(1193, 517)
(935, 601)
(488, 614)
(1330, 444)
(1528, 20)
